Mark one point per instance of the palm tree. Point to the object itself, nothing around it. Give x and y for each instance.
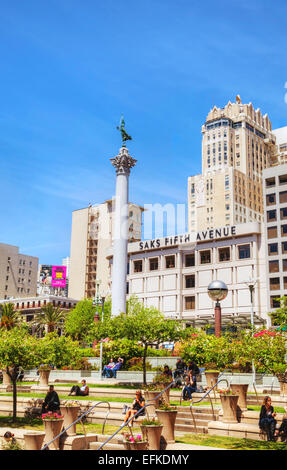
(49, 316)
(9, 316)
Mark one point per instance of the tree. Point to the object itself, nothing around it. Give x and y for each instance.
(57, 350)
(17, 349)
(9, 316)
(279, 316)
(143, 324)
(50, 316)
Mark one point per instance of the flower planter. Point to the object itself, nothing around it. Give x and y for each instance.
(149, 396)
(211, 378)
(229, 408)
(33, 440)
(70, 414)
(53, 427)
(283, 388)
(6, 378)
(241, 391)
(141, 445)
(152, 434)
(44, 377)
(167, 418)
(165, 395)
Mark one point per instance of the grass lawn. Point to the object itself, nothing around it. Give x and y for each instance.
(230, 442)
(67, 397)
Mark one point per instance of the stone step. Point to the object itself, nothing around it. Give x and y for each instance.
(190, 428)
(108, 446)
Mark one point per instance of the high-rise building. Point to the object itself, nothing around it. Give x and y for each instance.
(18, 273)
(92, 236)
(237, 144)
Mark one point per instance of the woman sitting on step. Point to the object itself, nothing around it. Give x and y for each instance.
(267, 421)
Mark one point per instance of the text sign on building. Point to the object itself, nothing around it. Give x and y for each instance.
(59, 276)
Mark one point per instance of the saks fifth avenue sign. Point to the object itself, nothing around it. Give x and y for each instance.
(187, 238)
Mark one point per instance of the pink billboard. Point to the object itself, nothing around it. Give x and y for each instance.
(59, 276)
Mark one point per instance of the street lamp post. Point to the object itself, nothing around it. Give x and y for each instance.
(251, 286)
(217, 291)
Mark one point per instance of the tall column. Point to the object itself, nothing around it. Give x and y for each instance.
(123, 162)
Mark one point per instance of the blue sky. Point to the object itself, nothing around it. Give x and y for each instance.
(70, 68)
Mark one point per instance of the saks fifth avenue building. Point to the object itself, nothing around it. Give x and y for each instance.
(173, 273)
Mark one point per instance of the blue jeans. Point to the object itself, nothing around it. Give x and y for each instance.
(188, 391)
(107, 372)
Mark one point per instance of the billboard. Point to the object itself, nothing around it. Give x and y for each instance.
(45, 275)
(59, 276)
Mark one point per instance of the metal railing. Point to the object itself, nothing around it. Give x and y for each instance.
(210, 399)
(139, 412)
(80, 419)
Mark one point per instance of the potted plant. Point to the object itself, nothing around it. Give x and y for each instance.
(134, 441)
(229, 405)
(152, 429)
(44, 373)
(70, 410)
(53, 423)
(161, 381)
(167, 416)
(150, 393)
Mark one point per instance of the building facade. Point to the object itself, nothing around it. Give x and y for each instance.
(237, 144)
(92, 236)
(173, 273)
(275, 228)
(18, 273)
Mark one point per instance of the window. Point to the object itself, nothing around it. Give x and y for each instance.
(274, 266)
(189, 260)
(270, 199)
(284, 264)
(271, 215)
(138, 266)
(153, 264)
(189, 281)
(224, 254)
(283, 197)
(285, 282)
(274, 283)
(205, 257)
(274, 302)
(272, 232)
(283, 213)
(190, 303)
(244, 251)
(284, 248)
(283, 230)
(170, 262)
(273, 249)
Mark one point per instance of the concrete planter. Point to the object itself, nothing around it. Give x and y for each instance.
(241, 391)
(70, 414)
(211, 378)
(53, 427)
(150, 397)
(44, 377)
(283, 388)
(34, 440)
(135, 445)
(229, 408)
(167, 418)
(152, 434)
(6, 378)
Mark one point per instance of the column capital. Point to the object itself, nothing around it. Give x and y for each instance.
(123, 162)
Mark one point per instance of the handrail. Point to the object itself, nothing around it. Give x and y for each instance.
(80, 418)
(136, 414)
(207, 393)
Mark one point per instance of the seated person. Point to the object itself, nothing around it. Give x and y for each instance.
(167, 373)
(189, 389)
(117, 366)
(51, 402)
(267, 421)
(179, 368)
(82, 391)
(108, 367)
(138, 403)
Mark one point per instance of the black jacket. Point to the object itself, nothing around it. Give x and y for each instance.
(52, 402)
(263, 413)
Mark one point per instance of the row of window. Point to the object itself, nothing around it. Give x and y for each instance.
(272, 215)
(272, 232)
(205, 257)
(274, 266)
(273, 249)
